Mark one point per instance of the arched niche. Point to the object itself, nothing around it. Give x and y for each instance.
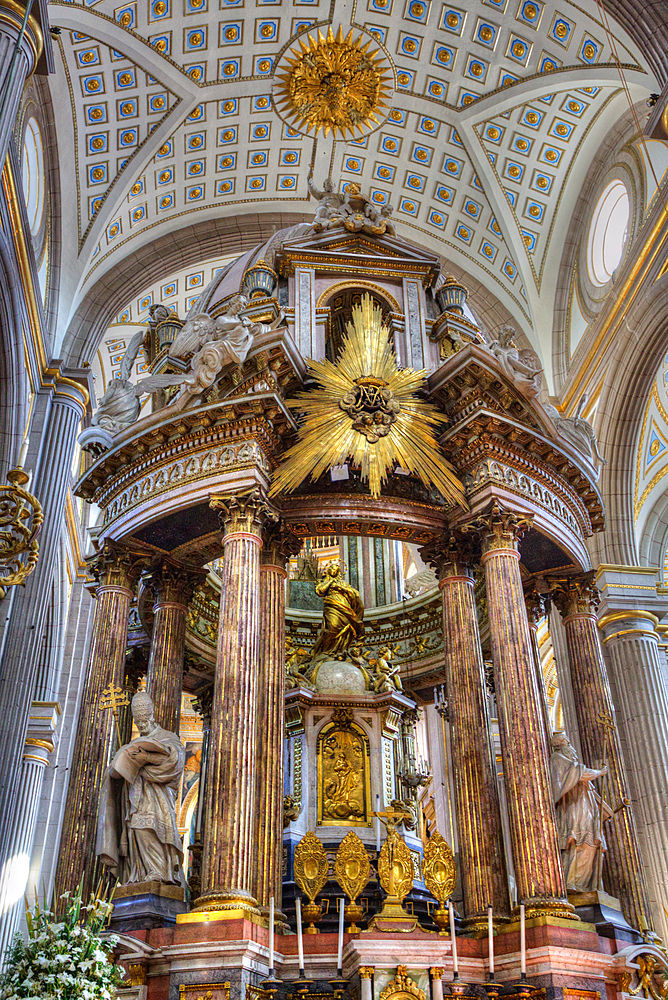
(343, 773)
(341, 298)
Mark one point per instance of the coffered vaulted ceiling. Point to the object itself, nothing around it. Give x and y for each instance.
(497, 111)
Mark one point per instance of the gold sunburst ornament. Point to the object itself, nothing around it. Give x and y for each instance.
(334, 84)
(366, 411)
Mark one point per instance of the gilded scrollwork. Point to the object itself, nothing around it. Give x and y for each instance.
(352, 867)
(310, 865)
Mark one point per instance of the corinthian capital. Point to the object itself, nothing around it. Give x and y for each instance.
(279, 543)
(117, 565)
(498, 528)
(172, 582)
(576, 595)
(452, 554)
(245, 512)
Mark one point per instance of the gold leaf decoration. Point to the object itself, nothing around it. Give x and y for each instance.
(310, 866)
(333, 84)
(352, 868)
(395, 867)
(438, 868)
(367, 411)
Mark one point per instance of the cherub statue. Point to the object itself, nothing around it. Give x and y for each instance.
(329, 203)
(294, 670)
(578, 432)
(291, 810)
(521, 367)
(386, 676)
(120, 405)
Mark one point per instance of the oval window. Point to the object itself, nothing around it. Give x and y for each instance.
(607, 232)
(33, 175)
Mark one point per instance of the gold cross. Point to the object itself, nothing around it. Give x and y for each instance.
(114, 698)
(391, 818)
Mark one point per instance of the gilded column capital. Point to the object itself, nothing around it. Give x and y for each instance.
(278, 543)
(436, 972)
(117, 565)
(172, 582)
(366, 971)
(242, 513)
(575, 595)
(452, 554)
(499, 528)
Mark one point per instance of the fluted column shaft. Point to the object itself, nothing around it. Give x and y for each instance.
(538, 872)
(268, 876)
(173, 587)
(641, 701)
(16, 64)
(230, 798)
(476, 793)
(117, 570)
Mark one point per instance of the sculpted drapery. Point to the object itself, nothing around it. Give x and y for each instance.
(137, 835)
(343, 614)
(577, 808)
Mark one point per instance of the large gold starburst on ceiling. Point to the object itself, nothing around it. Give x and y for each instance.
(366, 411)
(334, 84)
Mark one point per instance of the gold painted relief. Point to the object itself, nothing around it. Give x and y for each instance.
(343, 777)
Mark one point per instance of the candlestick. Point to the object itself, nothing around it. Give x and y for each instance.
(453, 938)
(490, 934)
(271, 936)
(523, 942)
(300, 940)
(339, 960)
(377, 825)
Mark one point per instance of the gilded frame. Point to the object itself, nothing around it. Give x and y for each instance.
(328, 729)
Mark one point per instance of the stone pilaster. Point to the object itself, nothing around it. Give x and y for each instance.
(577, 600)
(58, 409)
(484, 879)
(230, 820)
(172, 585)
(117, 570)
(16, 65)
(279, 545)
(537, 862)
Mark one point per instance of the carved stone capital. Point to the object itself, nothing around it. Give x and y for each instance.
(203, 704)
(278, 543)
(366, 971)
(452, 554)
(117, 565)
(242, 512)
(576, 595)
(172, 582)
(498, 528)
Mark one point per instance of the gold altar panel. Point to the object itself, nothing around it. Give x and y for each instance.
(344, 788)
(205, 991)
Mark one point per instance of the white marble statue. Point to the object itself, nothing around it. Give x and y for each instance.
(578, 432)
(521, 367)
(352, 211)
(137, 834)
(329, 203)
(578, 811)
(120, 405)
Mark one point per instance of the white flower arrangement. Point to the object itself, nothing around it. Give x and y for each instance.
(63, 958)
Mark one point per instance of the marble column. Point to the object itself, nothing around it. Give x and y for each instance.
(537, 862)
(172, 585)
(478, 812)
(641, 700)
(365, 972)
(117, 570)
(279, 545)
(19, 56)
(577, 600)
(230, 800)
(202, 704)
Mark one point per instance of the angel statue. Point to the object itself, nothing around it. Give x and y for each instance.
(386, 676)
(578, 432)
(120, 405)
(521, 367)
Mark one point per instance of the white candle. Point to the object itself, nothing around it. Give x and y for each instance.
(490, 933)
(377, 825)
(300, 941)
(453, 939)
(342, 910)
(271, 934)
(523, 942)
(23, 454)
